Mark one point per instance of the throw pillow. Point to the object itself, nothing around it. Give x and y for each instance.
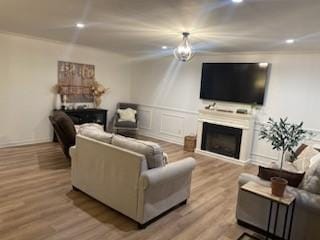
(311, 180)
(90, 125)
(300, 149)
(294, 179)
(314, 159)
(127, 115)
(303, 160)
(290, 167)
(77, 127)
(96, 132)
(151, 150)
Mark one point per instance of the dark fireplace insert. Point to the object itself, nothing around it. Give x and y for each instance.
(221, 139)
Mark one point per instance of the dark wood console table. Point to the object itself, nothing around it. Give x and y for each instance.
(89, 115)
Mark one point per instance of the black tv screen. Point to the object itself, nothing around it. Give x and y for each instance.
(234, 82)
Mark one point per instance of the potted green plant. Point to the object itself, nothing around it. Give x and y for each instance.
(284, 137)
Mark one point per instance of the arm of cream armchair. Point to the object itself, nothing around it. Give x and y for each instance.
(167, 174)
(309, 201)
(72, 152)
(163, 188)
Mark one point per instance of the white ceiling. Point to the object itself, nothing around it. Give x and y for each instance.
(141, 27)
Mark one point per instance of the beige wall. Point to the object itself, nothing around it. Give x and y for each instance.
(29, 70)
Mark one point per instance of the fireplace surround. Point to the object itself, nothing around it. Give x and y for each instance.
(225, 135)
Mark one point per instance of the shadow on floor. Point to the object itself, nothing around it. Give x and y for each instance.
(101, 212)
(53, 159)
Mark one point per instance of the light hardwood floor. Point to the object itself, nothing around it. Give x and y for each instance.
(37, 202)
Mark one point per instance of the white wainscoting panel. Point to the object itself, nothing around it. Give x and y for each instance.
(145, 119)
(262, 152)
(172, 124)
(167, 124)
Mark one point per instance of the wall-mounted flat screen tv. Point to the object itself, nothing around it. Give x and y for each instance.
(235, 82)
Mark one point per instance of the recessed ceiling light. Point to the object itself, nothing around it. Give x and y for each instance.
(237, 1)
(80, 25)
(290, 41)
(164, 47)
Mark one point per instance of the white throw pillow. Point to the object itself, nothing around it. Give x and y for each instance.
(311, 180)
(291, 167)
(127, 115)
(90, 126)
(314, 159)
(302, 163)
(96, 132)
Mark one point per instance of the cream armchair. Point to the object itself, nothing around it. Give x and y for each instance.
(121, 179)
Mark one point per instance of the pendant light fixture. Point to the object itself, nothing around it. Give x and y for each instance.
(184, 51)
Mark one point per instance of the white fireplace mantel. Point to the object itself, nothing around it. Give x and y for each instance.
(245, 122)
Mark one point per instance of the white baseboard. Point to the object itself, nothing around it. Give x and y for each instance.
(222, 157)
(25, 142)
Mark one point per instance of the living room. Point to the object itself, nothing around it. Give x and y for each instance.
(131, 50)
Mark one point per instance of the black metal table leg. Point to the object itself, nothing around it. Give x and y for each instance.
(288, 202)
(276, 220)
(274, 232)
(285, 223)
(291, 220)
(269, 220)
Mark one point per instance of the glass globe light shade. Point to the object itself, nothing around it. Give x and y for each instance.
(184, 51)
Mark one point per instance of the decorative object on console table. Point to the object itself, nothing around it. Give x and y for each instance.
(190, 143)
(58, 103)
(242, 111)
(97, 90)
(56, 89)
(90, 115)
(284, 137)
(64, 102)
(224, 110)
(211, 106)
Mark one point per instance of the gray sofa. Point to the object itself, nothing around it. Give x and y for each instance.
(130, 176)
(252, 211)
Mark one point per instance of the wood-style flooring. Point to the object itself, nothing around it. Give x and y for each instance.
(37, 201)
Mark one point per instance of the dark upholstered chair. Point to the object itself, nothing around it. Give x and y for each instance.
(64, 130)
(125, 126)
